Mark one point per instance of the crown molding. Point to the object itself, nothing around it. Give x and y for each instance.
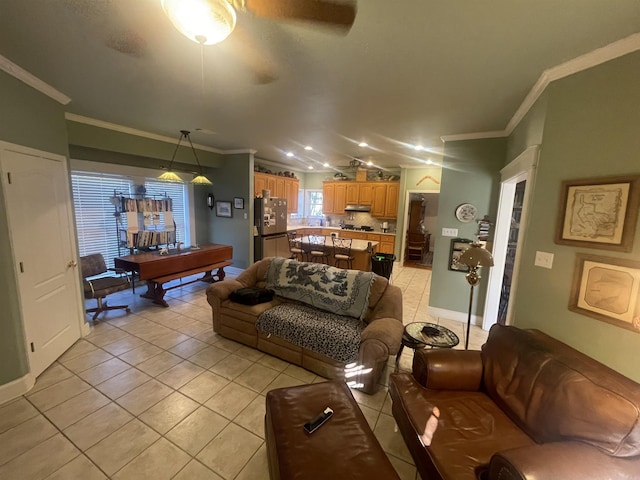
(21, 74)
(133, 131)
(589, 60)
(474, 136)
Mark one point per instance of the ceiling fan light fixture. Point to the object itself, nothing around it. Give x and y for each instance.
(206, 22)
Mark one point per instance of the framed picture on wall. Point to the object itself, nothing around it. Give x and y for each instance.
(238, 203)
(607, 289)
(599, 212)
(223, 209)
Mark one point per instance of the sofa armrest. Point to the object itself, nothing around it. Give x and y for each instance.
(386, 330)
(566, 460)
(448, 369)
(222, 290)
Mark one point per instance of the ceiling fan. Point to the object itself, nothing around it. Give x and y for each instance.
(211, 21)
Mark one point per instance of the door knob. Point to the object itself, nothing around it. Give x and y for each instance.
(72, 263)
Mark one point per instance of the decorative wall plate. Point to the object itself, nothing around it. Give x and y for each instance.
(466, 212)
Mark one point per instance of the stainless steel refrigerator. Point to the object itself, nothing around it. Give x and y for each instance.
(270, 219)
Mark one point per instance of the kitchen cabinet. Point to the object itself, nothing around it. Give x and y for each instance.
(387, 244)
(381, 196)
(365, 193)
(391, 204)
(352, 193)
(340, 198)
(328, 196)
(379, 200)
(279, 186)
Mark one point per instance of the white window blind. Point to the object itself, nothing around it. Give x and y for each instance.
(95, 220)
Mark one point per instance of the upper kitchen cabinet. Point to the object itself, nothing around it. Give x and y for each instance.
(381, 196)
(279, 186)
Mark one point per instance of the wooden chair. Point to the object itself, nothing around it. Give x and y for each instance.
(295, 247)
(318, 249)
(98, 283)
(417, 246)
(342, 251)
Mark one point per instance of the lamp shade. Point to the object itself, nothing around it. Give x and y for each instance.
(204, 21)
(476, 256)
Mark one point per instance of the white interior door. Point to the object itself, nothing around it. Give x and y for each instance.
(38, 200)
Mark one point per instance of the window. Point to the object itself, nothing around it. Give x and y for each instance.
(95, 220)
(313, 203)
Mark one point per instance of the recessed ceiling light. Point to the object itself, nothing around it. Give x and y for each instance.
(289, 154)
(418, 147)
(310, 167)
(308, 147)
(325, 164)
(363, 144)
(429, 162)
(370, 163)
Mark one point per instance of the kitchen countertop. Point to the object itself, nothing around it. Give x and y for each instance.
(356, 245)
(337, 229)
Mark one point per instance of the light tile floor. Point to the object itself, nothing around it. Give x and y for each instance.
(157, 394)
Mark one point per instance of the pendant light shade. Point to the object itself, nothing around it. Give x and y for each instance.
(206, 22)
(170, 176)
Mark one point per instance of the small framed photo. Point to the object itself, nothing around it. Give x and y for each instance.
(599, 212)
(223, 209)
(607, 289)
(238, 203)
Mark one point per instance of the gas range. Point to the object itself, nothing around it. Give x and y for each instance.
(364, 228)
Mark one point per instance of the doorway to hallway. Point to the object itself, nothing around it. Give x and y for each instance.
(422, 212)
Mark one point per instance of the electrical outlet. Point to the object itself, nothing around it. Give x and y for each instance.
(449, 232)
(245, 216)
(544, 259)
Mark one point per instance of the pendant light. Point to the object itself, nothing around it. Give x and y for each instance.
(170, 176)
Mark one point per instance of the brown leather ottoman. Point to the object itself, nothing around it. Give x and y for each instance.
(343, 448)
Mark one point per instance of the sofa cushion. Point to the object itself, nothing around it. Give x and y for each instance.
(336, 290)
(336, 336)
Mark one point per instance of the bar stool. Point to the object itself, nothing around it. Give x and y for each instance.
(295, 247)
(342, 251)
(318, 249)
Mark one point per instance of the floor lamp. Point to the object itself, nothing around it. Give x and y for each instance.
(474, 257)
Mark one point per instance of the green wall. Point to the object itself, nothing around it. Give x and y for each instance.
(529, 131)
(590, 130)
(470, 174)
(234, 179)
(31, 119)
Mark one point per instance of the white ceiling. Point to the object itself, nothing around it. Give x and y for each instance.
(408, 72)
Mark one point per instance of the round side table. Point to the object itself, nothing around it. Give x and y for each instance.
(422, 334)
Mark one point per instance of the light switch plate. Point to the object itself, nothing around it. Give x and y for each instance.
(449, 232)
(544, 259)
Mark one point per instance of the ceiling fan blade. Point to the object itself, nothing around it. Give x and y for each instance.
(253, 56)
(339, 15)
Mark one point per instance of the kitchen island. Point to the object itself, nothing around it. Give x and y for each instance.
(361, 251)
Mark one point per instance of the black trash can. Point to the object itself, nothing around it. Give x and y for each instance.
(382, 264)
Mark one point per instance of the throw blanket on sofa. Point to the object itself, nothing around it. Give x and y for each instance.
(345, 292)
(335, 336)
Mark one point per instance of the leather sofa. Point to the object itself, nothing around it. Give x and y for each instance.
(380, 338)
(525, 407)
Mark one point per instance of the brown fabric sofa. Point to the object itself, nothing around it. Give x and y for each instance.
(526, 407)
(380, 339)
